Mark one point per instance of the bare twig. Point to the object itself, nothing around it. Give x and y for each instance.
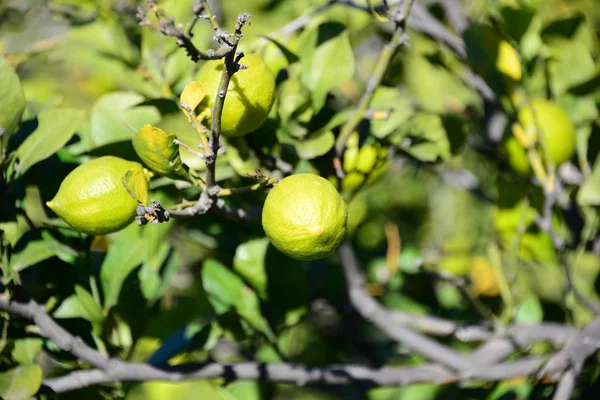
(166, 25)
(108, 370)
(373, 312)
(544, 222)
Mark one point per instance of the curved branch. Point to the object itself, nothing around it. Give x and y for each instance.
(373, 312)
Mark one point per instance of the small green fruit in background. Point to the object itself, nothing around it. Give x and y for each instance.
(557, 128)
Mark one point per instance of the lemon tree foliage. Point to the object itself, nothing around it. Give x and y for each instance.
(266, 194)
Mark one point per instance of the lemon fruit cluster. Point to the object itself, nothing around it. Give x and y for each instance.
(304, 217)
(92, 198)
(250, 94)
(556, 128)
(362, 164)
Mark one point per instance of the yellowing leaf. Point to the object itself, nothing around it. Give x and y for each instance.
(158, 151)
(192, 95)
(136, 185)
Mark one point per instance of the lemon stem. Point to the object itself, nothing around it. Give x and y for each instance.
(245, 189)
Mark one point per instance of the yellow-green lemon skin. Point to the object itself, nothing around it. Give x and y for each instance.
(250, 94)
(305, 217)
(557, 128)
(92, 198)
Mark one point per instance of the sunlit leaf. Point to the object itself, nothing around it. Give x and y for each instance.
(55, 127)
(38, 251)
(117, 116)
(135, 183)
(330, 63)
(225, 291)
(122, 258)
(26, 350)
(21, 382)
(12, 102)
(92, 310)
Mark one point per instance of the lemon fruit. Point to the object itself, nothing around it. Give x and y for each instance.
(250, 94)
(92, 198)
(304, 217)
(557, 128)
(508, 62)
(364, 164)
(516, 156)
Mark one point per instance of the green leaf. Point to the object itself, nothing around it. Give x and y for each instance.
(570, 64)
(517, 21)
(12, 102)
(434, 87)
(290, 56)
(20, 383)
(293, 100)
(249, 262)
(115, 114)
(241, 157)
(430, 141)
(401, 108)
(92, 310)
(530, 311)
(318, 144)
(34, 206)
(565, 27)
(331, 63)
(225, 291)
(70, 308)
(26, 350)
(38, 251)
(123, 256)
(14, 230)
(55, 127)
(150, 278)
(589, 193)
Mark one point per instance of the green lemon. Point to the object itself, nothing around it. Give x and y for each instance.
(508, 61)
(250, 94)
(92, 198)
(305, 217)
(557, 128)
(516, 155)
(363, 164)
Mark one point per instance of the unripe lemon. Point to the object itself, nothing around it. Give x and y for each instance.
(557, 128)
(363, 164)
(304, 217)
(250, 94)
(92, 198)
(508, 61)
(516, 155)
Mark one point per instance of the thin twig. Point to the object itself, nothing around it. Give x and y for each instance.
(229, 68)
(373, 312)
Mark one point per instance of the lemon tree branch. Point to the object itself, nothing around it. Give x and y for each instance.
(399, 16)
(229, 68)
(580, 344)
(166, 26)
